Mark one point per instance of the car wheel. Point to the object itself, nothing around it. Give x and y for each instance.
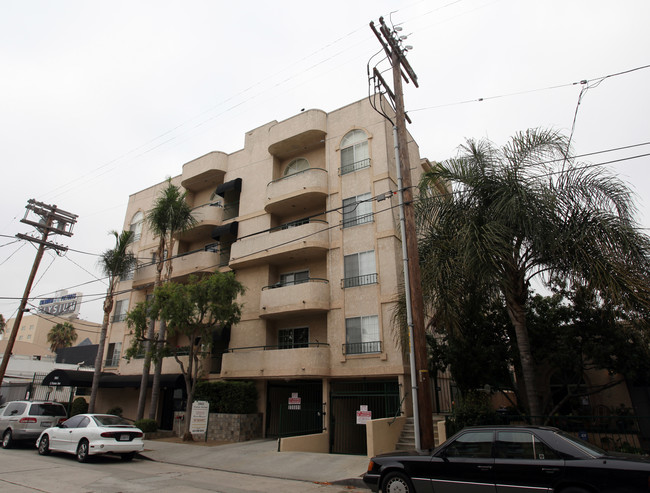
(44, 445)
(127, 457)
(82, 451)
(396, 482)
(7, 439)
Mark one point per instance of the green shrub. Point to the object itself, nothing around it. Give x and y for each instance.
(473, 409)
(228, 397)
(79, 406)
(147, 425)
(117, 411)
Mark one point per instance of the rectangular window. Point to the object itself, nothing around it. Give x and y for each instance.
(359, 269)
(113, 354)
(291, 278)
(293, 338)
(362, 335)
(121, 307)
(357, 210)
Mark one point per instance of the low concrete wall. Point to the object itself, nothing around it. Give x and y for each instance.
(226, 427)
(383, 434)
(318, 442)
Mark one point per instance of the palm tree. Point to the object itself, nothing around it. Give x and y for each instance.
(115, 263)
(525, 211)
(3, 324)
(169, 216)
(61, 335)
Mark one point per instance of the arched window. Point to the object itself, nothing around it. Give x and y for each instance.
(296, 166)
(136, 225)
(354, 152)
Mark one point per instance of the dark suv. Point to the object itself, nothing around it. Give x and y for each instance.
(25, 420)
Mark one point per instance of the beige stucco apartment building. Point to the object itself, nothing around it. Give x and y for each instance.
(306, 217)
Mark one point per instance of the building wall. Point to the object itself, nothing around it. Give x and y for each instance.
(261, 255)
(33, 330)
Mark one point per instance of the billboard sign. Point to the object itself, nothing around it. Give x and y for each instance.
(64, 305)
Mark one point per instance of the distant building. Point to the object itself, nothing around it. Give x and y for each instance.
(306, 216)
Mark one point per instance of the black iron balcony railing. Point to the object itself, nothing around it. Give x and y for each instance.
(272, 348)
(118, 317)
(357, 165)
(357, 220)
(293, 175)
(112, 362)
(292, 283)
(352, 282)
(296, 223)
(370, 347)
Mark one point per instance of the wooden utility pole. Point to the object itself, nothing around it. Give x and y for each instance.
(53, 221)
(402, 69)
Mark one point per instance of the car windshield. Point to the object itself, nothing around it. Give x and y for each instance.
(108, 420)
(582, 445)
(46, 409)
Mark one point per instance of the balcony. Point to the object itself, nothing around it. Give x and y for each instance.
(204, 172)
(306, 297)
(370, 347)
(300, 191)
(297, 134)
(207, 217)
(182, 266)
(272, 362)
(293, 241)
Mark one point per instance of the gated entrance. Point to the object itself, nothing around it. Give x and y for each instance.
(294, 408)
(380, 397)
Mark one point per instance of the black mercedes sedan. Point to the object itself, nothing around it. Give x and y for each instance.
(509, 459)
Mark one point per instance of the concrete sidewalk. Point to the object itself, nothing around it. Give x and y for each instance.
(261, 458)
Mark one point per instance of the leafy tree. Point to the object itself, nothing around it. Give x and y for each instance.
(115, 263)
(524, 211)
(192, 312)
(169, 216)
(61, 335)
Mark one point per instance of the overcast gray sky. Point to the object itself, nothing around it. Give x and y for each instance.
(100, 99)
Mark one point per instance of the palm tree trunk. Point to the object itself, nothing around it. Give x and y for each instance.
(157, 373)
(517, 314)
(108, 306)
(146, 365)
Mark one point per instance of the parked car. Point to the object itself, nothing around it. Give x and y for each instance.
(508, 459)
(25, 420)
(90, 434)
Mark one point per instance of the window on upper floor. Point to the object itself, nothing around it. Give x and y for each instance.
(354, 152)
(362, 335)
(293, 338)
(121, 307)
(113, 354)
(296, 166)
(357, 210)
(359, 269)
(136, 225)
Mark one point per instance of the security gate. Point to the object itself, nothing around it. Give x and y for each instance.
(294, 408)
(380, 397)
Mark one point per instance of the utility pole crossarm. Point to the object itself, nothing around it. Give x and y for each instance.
(53, 221)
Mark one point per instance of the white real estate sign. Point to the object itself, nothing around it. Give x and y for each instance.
(199, 420)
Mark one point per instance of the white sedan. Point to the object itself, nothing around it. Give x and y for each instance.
(91, 434)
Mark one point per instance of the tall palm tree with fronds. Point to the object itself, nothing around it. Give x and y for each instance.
(170, 215)
(61, 335)
(115, 263)
(523, 211)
